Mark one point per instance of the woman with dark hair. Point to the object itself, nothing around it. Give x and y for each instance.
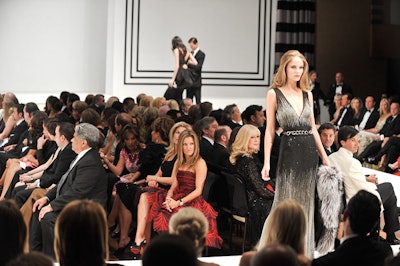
(53, 106)
(182, 58)
(125, 169)
(81, 234)
(188, 176)
(12, 231)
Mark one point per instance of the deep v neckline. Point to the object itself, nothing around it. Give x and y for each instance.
(291, 106)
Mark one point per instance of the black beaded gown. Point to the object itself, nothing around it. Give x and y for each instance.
(259, 198)
(298, 160)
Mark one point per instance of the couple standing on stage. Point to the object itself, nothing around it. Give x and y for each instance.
(194, 61)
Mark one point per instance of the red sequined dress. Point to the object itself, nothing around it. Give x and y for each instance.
(186, 184)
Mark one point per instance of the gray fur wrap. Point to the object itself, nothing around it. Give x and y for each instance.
(330, 192)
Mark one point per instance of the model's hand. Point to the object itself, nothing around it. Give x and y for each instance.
(171, 83)
(326, 162)
(265, 173)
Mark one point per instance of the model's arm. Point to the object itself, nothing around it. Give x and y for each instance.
(320, 147)
(269, 132)
(192, 60)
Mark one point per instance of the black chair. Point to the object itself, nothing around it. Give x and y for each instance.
(238, 204)
(209, 185)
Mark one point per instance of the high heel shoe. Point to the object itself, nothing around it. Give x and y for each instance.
(136, 249)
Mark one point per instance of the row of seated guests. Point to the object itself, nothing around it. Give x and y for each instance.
(286, 225)
(353, 175)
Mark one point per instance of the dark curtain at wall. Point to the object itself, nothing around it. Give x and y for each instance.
(295, 29)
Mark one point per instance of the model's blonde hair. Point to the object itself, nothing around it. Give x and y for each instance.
(241, 144)
(280, 78)
(287, 225)
(171, 148)
(190, 162)
(192, 224)
(81, 234)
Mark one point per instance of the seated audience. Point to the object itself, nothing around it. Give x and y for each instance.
(98, 103)
(185, 105)
(7, 123)
(368, 135)
(346, 113)
(286, 225)
(388, 154)
(391, 127)
(85, 179)
(205, 128)
(12, 231)
(77, 108)
(193, 225)
(275, 255)
(337, 107)
(231, 116)
(20, 127)
(369, 116)
(23, 155)
(127, 166)
(168, 249)
(260, 193)
(219, 158)
(360, 218)
(358, 108)
(81, 234)
(162, 180)
(31, 259)
(355, 180)
(327, 134)
(188, 176)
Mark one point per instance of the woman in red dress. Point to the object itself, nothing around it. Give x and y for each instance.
(188, 176)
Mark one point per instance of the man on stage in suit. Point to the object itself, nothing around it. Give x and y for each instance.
(355, 180)
(391, 127)
(206, 129)
(370, 115)
(347, 113)
(338, 87)
(327, 134)
(360, 217)
(195, 90)
(85, 179)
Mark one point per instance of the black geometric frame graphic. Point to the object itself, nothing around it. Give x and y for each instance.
(134, 75)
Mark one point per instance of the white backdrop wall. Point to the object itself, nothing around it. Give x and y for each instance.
(123, 47)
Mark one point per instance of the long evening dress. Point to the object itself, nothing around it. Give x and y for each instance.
(186, 184)
(298, 161)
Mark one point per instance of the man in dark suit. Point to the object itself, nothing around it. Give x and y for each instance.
(347, 113)
(195, 90)
(327, 134)
(360, 218)
(219, 159)
(370, 114)
(99, 103)
(338, 87)
(391, 127)
(20, 127)
(63, 135)
(206, 130)
(85, 179)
